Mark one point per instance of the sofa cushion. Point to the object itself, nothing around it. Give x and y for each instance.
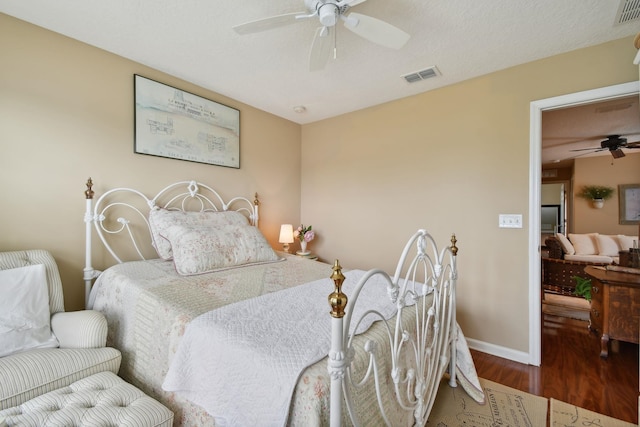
(626, 242)
(607, 245)
(594, 259)
(584, 244)
(567, 247)
(57, 367)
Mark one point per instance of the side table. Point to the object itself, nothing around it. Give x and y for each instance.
(615, 306)
(307, 255)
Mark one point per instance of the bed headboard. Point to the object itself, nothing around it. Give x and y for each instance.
(120, 218)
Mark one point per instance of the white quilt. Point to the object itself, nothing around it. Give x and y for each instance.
(243, 370)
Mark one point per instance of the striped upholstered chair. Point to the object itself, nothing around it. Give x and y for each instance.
(79, 344)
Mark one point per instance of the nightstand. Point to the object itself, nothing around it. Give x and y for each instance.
(308, 255)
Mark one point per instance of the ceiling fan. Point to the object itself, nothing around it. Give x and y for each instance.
(328, 13)
(613, 143)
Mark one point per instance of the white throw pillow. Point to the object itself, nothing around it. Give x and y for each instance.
(198, 249)
(607, 245)
(626, 242)
(24, 310)
(567, 247)
(161, 219)
(584, 244)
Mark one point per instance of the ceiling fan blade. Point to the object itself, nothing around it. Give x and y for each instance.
(617, 153)
(268, 23)
(320, 49)
(351, 3)
(376, 31)
(594, 149)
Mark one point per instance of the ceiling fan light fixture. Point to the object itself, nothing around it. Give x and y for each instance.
(328, 14)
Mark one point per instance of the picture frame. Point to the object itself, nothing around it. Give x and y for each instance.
(629, 197)
(172, 123)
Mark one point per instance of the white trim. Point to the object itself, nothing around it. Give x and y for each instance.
(535, 165)
(499, 351)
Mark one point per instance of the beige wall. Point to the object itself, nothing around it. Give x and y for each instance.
(449, 160)
(66, 113)
(603, 171)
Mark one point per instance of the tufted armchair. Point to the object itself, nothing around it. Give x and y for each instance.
(81, 336)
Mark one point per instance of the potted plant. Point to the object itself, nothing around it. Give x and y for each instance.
(597, 193)
(583, 287)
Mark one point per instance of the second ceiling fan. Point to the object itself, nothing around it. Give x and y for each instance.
(329, 12)
(613, 143)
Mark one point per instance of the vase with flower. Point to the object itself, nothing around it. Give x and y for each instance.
(305, 235)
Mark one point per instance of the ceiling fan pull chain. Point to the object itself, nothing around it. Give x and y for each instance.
(335, 43)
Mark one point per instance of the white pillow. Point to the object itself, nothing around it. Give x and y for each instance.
(607, 245)
(24, 310)
(161, 219)
(626, 242)
(567, 247)
(584, 244)
(198, 249)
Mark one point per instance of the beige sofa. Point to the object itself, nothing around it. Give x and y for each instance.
(567, 257)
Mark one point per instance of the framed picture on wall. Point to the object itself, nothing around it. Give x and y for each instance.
(172, 123)
(629, 195)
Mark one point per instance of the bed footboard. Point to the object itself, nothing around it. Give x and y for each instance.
(421, 349)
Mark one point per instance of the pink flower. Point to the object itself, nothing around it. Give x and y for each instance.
(304, 233)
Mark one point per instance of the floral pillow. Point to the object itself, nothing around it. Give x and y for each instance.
(160, 220)
(198, 249)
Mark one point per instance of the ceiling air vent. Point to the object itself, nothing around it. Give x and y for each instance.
(425, 74)
(629, 10)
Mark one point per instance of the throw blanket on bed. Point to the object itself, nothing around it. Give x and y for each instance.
(243, 369)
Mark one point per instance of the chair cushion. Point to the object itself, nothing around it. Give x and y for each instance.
(102, 399)
(26, 375)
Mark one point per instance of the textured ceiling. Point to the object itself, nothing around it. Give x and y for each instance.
(585, 126)
(193, 40)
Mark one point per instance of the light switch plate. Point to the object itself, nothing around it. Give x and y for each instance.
(510, 221)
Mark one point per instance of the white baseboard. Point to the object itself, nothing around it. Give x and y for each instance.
(496, 350)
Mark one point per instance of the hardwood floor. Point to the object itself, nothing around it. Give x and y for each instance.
(572, 370)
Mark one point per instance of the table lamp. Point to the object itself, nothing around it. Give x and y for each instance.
(286, 236)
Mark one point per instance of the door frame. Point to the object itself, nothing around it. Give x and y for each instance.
(535, 181)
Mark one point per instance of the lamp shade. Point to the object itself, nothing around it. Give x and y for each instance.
(286, 233)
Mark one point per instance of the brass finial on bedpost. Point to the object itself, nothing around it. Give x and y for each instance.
(337, 300)
(454, 248)
(255, 200)
(89, 192)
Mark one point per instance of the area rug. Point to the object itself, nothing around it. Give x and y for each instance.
(566, 415)
(504, 406)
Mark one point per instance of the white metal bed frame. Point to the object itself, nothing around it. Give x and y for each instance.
(179, 196)
(432, 347)
(421, 270)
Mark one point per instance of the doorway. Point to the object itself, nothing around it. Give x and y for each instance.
(535, 179)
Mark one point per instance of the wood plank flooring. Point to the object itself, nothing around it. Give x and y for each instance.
(573, 371)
